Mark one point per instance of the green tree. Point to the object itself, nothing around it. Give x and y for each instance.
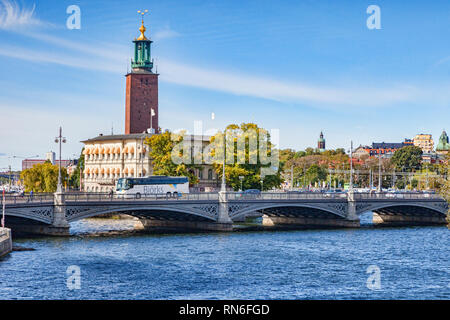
(42, 177)
(286, 155)
(251, 172)
(407, 158)
(161, 147)
(445, 171)
(315, 174)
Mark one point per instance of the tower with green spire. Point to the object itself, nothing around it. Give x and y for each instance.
(443, 146)
(321, 143)
(141, 96)
(142, 51)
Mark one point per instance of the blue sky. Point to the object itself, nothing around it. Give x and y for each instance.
(297, 66)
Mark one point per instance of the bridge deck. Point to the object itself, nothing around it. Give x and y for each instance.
(231, 196)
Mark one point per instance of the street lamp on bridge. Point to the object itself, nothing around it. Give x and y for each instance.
(60, 139)
(223, 187)
(241, 178)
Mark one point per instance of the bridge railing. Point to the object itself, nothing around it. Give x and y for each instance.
(27, 198)
(397, 196)
(286, 196)
(95, 197)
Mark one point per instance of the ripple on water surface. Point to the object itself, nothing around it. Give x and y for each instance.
(313, 264)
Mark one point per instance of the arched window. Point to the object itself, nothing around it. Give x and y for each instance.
(210, 174)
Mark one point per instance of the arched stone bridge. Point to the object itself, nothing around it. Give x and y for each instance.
(52, 213)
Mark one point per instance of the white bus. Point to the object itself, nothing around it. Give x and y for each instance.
(154, 185)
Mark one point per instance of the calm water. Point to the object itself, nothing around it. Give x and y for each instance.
(319, 264)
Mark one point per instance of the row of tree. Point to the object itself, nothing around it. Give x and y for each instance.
(305, 168)
(162, 148)
(43, 177)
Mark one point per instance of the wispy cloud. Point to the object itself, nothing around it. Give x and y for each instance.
(443, 60)
(165, 33)
(224, 81)
(64, 60)
(114, 61)
(262, 87)
(13, 16)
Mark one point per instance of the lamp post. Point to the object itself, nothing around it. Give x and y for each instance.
(379, 170)
(241, 178)
(223, 187)
(262, 184)
(351, 166)
(292, 177)
(60, 139)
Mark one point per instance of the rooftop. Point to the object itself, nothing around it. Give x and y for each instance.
(136, 136)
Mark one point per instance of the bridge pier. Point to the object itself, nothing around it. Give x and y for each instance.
(307, 222)
(223, 222)
(154, 225)
(5, 241)
(406, 220)
(352, 216)
(60, 226)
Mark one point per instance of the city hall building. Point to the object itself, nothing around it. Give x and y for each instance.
(110, 157)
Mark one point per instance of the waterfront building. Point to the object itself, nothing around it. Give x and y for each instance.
(386, 150)
(361, 152)
(108, 158)
(424, 142)
(443, 146)
(321, 143)
(51, 157)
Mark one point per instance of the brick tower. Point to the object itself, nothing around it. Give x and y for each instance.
(141, 100)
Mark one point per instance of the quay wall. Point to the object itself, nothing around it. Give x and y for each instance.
(5, 241)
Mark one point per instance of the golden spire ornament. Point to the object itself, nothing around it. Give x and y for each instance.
(142, 28)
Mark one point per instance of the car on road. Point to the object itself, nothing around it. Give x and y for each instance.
(250, 194)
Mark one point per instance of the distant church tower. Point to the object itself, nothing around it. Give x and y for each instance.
(141, 100)
(321, 143)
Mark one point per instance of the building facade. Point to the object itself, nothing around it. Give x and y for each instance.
(383, 149)
(424, 142)
(109, 158)
(51, 157)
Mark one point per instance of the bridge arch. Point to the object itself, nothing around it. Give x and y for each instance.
(43, 214)
(205, 213)
(336, 210)
(435, 207)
